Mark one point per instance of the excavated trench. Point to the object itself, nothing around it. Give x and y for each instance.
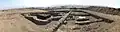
(84, 22)
(69, 21)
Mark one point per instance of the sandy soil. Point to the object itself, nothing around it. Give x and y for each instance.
(13, 21)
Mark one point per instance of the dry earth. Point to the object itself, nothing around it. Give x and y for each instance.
(13, 21)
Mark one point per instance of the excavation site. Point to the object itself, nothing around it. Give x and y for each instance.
(61, 19)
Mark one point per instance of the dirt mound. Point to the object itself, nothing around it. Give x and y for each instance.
(106, 10)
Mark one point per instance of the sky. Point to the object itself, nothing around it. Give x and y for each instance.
(6, 4)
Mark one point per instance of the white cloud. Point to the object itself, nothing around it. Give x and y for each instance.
(41, 3)
(110, 3)
(37, 3)
(49, 2)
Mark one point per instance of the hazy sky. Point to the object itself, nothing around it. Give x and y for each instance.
(40, 3)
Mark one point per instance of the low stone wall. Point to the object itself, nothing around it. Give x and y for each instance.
(106, 10)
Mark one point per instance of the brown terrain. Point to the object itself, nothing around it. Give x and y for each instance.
(90, 19)
(13, 21)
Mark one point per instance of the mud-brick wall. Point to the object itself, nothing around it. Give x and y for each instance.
(106, 10)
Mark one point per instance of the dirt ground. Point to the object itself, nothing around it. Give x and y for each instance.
(13, 21)
(113, 27)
